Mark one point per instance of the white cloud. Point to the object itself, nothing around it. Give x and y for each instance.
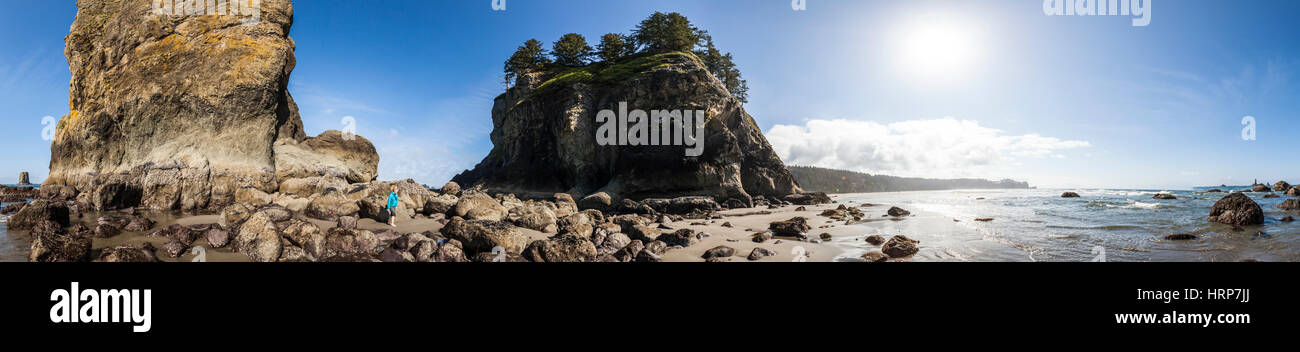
(942, 148)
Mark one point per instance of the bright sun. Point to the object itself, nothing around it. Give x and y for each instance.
(937, 47)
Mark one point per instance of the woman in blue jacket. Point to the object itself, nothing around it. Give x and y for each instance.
(392, 205)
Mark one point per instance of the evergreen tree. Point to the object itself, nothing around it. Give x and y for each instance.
(529, 56)
(666, 32)
(572, 50)
(614, 46)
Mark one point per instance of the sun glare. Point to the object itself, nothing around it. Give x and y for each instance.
(937, 47)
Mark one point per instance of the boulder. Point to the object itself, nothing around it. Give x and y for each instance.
(1260, 188)
(598, 201)
(479, 206)
(719, 252)
(761, 237)
(128, 253)
(1293, 192)
(39, 210)
(875, 257)
(562, 248)
(451, 188)
(349, 243)
(1290, 204)
(795, 227)
(683, 237)
(808, 198)
(332, 153)
(1180, 237)
(259, 238)
(898, 212)
(875, 240)
(234, 215)
(682, 205)
(59, 246)
(307, 236)
(900, 247)
(217, 237)
(1281, 186)
(1069, 195)
(760, 253)
(22, 179)
(483, 235)
(331, 205)
(535, 217)
(1165, 196)
(1237, 209)
(138, 224)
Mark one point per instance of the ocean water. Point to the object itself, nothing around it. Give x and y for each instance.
(12, 248)
(1103, 225)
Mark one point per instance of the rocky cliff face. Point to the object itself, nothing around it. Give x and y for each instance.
(545, 136)
(184, 112)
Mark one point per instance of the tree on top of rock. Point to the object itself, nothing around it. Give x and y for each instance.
(572, 50)
(529, 56)
(663, 32)
(614, 46)
(722, 67)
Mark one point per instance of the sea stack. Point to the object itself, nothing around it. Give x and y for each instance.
(22, 179)
(184, 112)
(545, 136)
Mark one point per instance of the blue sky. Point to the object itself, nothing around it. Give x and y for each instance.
(993, 89)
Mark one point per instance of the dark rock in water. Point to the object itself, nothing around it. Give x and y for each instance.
(22, 179)
(795, 227)
(138, 224)
(174, 248)
(719, 252)
(1260, 188)
(1288, 218)
(1180, 237)
(875, 257)
(898, 212)
(1214, 191)
(760, 253)
(1165, 196)
(12, 208)
(984, 219)
(875, 240)
(1069, 195)
(900, 246)
(1290, 204)
(37, 211)
(1271, 196)
(544, 129)
(1237, 209)
(1281, 186)
(128, 253)
(59, 246)
(217, 238)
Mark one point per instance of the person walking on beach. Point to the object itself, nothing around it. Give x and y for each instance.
(392, 206)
